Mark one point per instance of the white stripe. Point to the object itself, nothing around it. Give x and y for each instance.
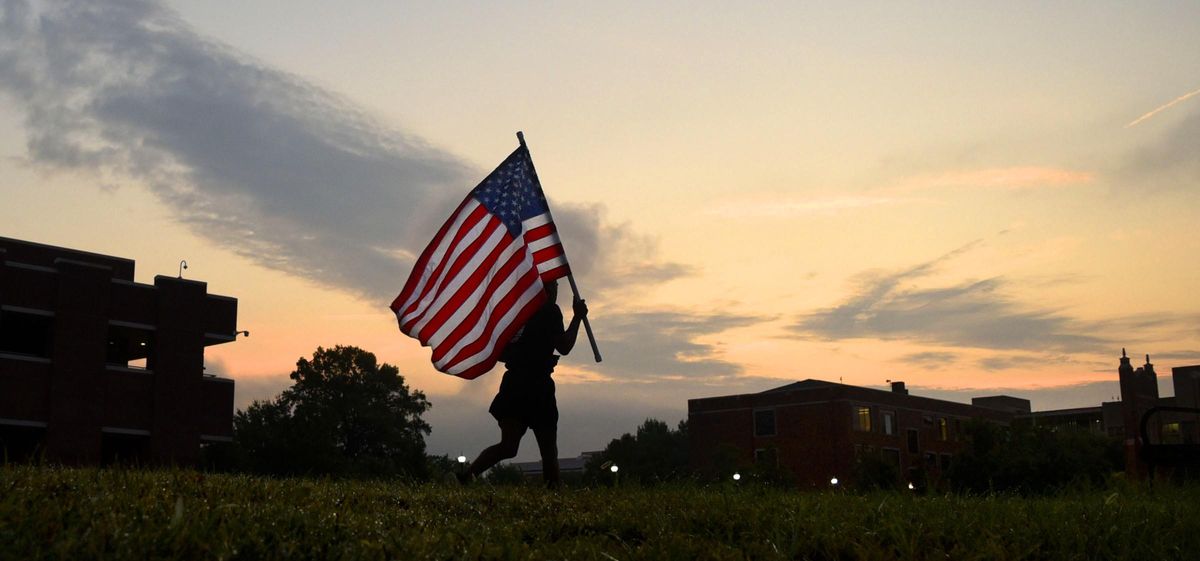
(551, 264)
(543, 243)
(539, 220)
(472, 301)
(437, 254)
(429, 294)
(499, 294)
(501, 325)
(472, 265)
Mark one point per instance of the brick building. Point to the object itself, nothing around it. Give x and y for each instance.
(96, 368)
(817, 429)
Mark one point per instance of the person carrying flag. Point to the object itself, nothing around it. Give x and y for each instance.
(484, 291)
(526, 397)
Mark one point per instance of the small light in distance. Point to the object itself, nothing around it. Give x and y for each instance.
(911, 487)
(462, 459)
(613, 468)
(833, 481)
(737, 477)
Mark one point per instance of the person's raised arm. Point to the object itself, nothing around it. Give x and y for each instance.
(566, 341)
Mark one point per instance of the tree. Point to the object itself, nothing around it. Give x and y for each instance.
(345, 414)
(1028, 459)
(656, 453)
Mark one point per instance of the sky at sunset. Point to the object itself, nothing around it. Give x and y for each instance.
(972, 197)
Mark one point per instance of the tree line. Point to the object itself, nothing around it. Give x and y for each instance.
(348, 415)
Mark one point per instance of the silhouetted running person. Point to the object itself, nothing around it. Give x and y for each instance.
(526, 397)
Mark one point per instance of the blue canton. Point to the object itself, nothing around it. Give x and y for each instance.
(512, 193)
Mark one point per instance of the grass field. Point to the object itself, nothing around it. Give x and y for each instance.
(120, 514)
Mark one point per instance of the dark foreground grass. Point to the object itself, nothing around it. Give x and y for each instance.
(117, 514)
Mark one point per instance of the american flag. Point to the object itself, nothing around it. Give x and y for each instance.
(482, 276)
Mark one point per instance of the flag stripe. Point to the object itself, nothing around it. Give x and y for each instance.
(501, 303)
(468, 268)
(485, 346)
(430, 261)
(466, 306)
(416, 282)
(470, 230)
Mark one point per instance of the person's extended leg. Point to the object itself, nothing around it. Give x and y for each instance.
(547, 440)
(511, 432)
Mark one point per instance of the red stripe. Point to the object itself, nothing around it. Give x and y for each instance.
(556, 273)
(469, 252)
(508, 269)
(528, 277)
(413, 278)
(502, 341)
(546, 254)
(539, 232)
(435, 273)
(478, 276)
(436, 277)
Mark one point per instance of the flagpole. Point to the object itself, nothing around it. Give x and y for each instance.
(587, 326)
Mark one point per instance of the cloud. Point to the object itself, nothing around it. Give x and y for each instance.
(1010, 177)
(1011, 361)
(930, 359)
(787, 209)
(971, 314)
(1171, 162)
(652, 345)
(250, 157)
(1185, 357)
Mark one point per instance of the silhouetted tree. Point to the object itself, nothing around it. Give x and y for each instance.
(345, 414)
(1029, 459)
(655, 453)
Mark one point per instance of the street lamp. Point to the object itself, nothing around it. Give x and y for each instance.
(737, 477)
(462, 459)
(833, 481)
(614, 468)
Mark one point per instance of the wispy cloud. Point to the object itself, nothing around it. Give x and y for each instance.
(975, 314)
(1163, 107)
(1013, 361)
(934, 360)
(258, 160)
(784, 209)
(663, 345)
(1013, 177)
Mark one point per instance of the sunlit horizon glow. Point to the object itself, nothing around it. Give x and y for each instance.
(945, 195)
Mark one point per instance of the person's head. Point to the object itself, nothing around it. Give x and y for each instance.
(552, 292)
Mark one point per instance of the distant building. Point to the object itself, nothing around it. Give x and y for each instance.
(97, 368)
(566, 466)
(1139, 395)
(817, 430)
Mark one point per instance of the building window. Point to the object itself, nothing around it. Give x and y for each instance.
(764, 422)
(26, 332)
(862, 419)
(930, 460)
(889, 423)
(914, 444)
(130, 346)
(945, 462)
(943, 429)
(1172, 433)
